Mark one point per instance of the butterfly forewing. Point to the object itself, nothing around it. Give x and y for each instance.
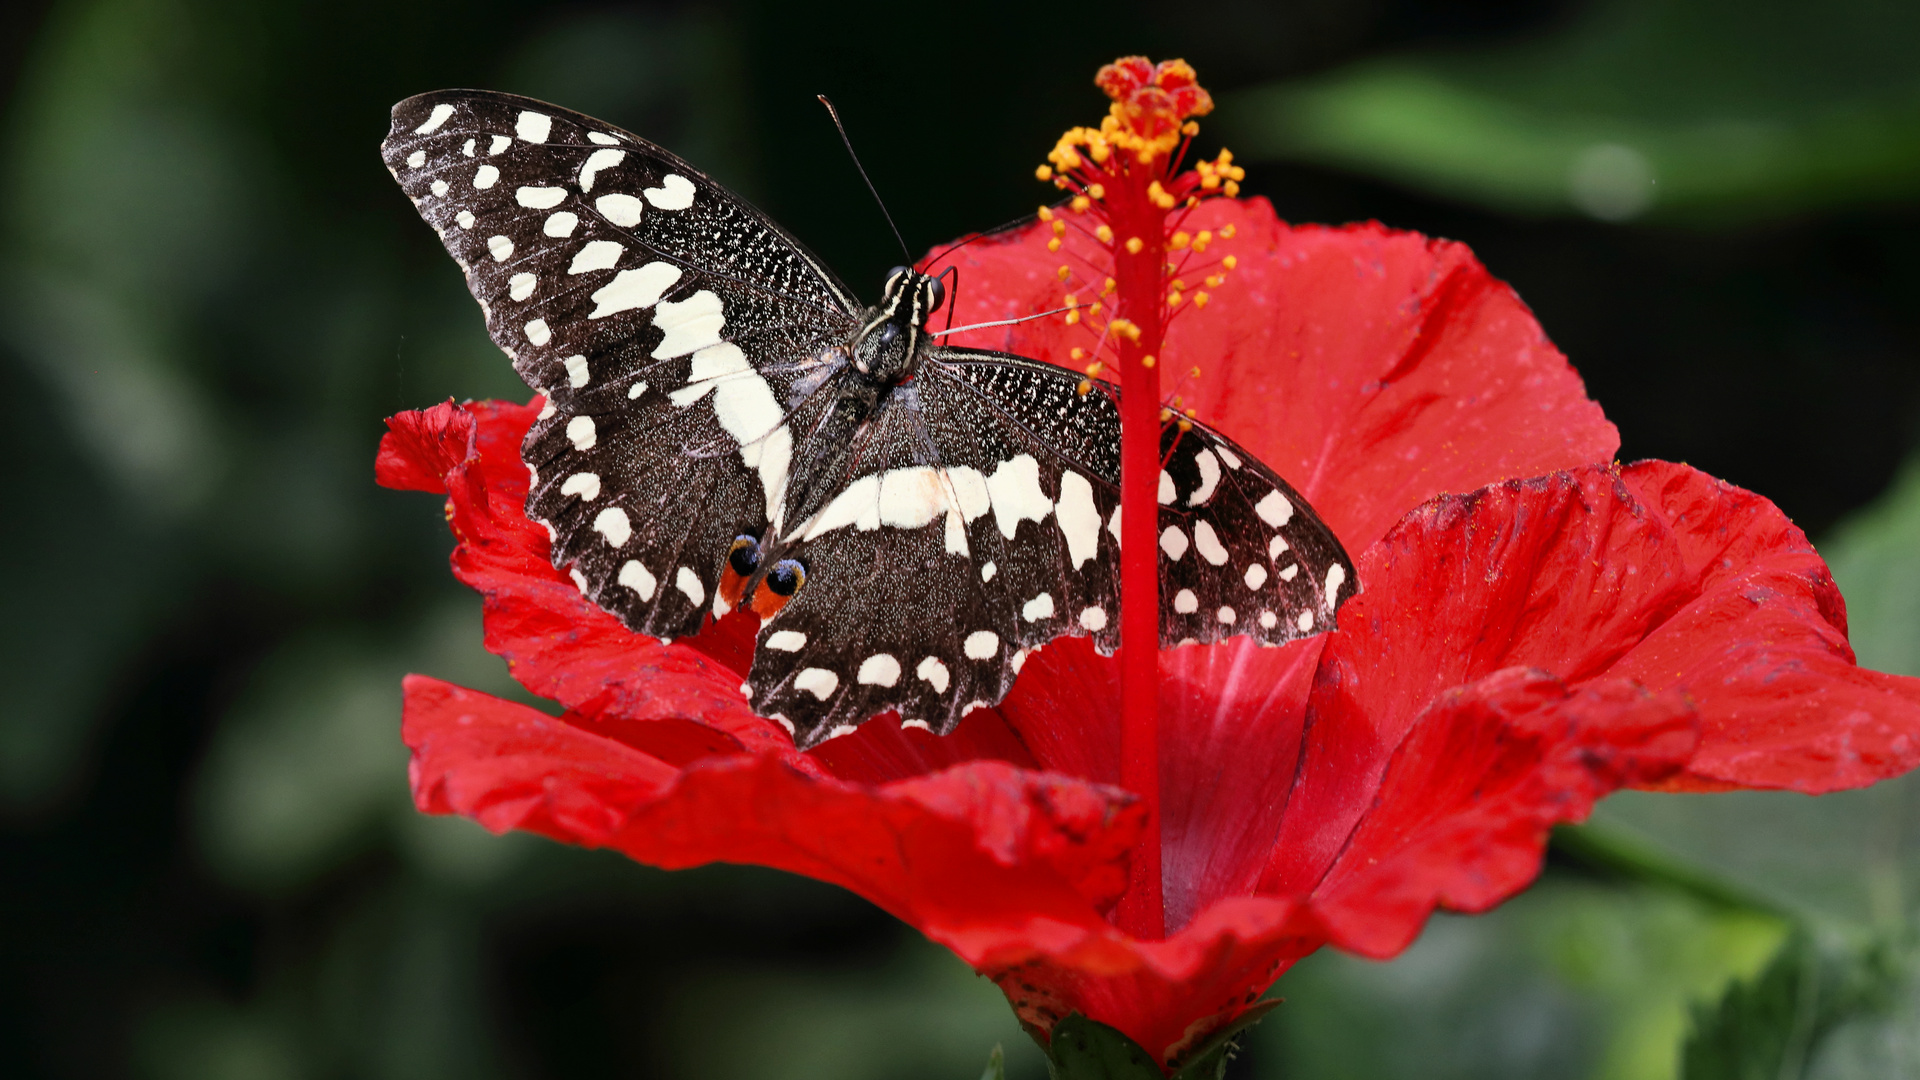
(690, 352)
(666, 321)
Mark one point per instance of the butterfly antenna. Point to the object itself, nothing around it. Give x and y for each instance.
(842, 129)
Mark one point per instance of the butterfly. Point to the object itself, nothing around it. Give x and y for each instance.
(727, 426)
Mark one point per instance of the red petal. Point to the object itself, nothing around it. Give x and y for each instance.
(1372, 368)
(979, 856)
(422, 446)
(1761, 648)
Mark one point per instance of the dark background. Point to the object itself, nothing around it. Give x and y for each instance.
(211, 293)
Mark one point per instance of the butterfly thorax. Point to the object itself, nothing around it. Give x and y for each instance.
(888, 348)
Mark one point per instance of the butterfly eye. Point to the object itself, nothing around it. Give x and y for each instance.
(893, 279)
(938, 292)
(744, 556)
(786, 577)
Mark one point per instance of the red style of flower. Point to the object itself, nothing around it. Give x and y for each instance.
(1536, 628)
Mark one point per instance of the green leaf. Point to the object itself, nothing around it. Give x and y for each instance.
(1704, 111)
(1768, 1027)
(1875, 558)
(996, 1065)
(1083, 1049)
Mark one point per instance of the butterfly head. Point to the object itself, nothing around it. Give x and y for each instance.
(887, 349)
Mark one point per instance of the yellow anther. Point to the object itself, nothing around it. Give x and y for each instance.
(1066, 272)
(1209, 181)
(1237, 173)
(1046, 213)
(1060, 182)
(1195, 372)
(1230, 262)
(1180, 241)
(1200, 299)
(1108, 287)
(1189, 412)
(1147, 360)
(1200, 242)
(1076, 353)
(1176, 401)
(1166, 414)
(1134, 244)
(1053, 244)
(1190, 128)
(1098, 191)
(1125, 328)
(1159, 195)
(1214, 280)
(1193, 201)
(1103, 234)
(1096, 367)
(1086, 387)
(1186, 426)
(1073, 317)
(1093, 308)
(1226, 231)
(1232, 188)
(1044, 172)
(1176, 283)
(1173, 298)
(1080, 204)
(1059, 228)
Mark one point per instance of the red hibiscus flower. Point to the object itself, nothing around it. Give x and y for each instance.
(1537, 627)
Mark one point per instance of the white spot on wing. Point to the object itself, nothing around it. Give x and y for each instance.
(621, 210)
(878, 670)
(595, 255)
(630, 289)
(539, 198)
(596, 161)
(441, 114)
(1256, 576)
(787, 640)
(1093, 620)
(601, 138)
(1305, 621)
(1292, 571)
(1226, 615)
(581, 433)
(858, 505)
(485, 177)
(1336, 577)
(636, 390)
(819, 682)
(416, 159)
(579, 579)
(987, 570)
(1185, 602)
(500, 142)
(745, 406)
(499, 247)
(981, 644)
(1173, 542)
(438, 187)
(465, 218)
(1209, 477)
(584, 484)
(561, 224)
(916, 725)
(1015, 491)
(689, 325)
(1268, 620)
(613, 524)
(533, 126)
(538, 333)
(1167, 493)
(520, 286)
(1207, 543)
(1113, 526)
(935, 674)
(689, 583)
(1274, 509)
(1078, 518)
(674, 193)
(1232, 459)
(635, 577)
(1275, 546)
(1040, 607)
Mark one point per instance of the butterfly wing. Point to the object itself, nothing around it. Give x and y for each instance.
(670, 325)
(981, 520)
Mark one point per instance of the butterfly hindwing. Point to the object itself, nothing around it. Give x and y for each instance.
(667, 322)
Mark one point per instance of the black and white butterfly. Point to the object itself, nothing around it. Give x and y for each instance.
(727, 426)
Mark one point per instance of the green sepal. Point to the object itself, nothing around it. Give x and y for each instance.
(996, 1065)
(1083, 1049)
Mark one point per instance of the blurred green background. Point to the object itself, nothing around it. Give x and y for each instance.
(211, 293)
